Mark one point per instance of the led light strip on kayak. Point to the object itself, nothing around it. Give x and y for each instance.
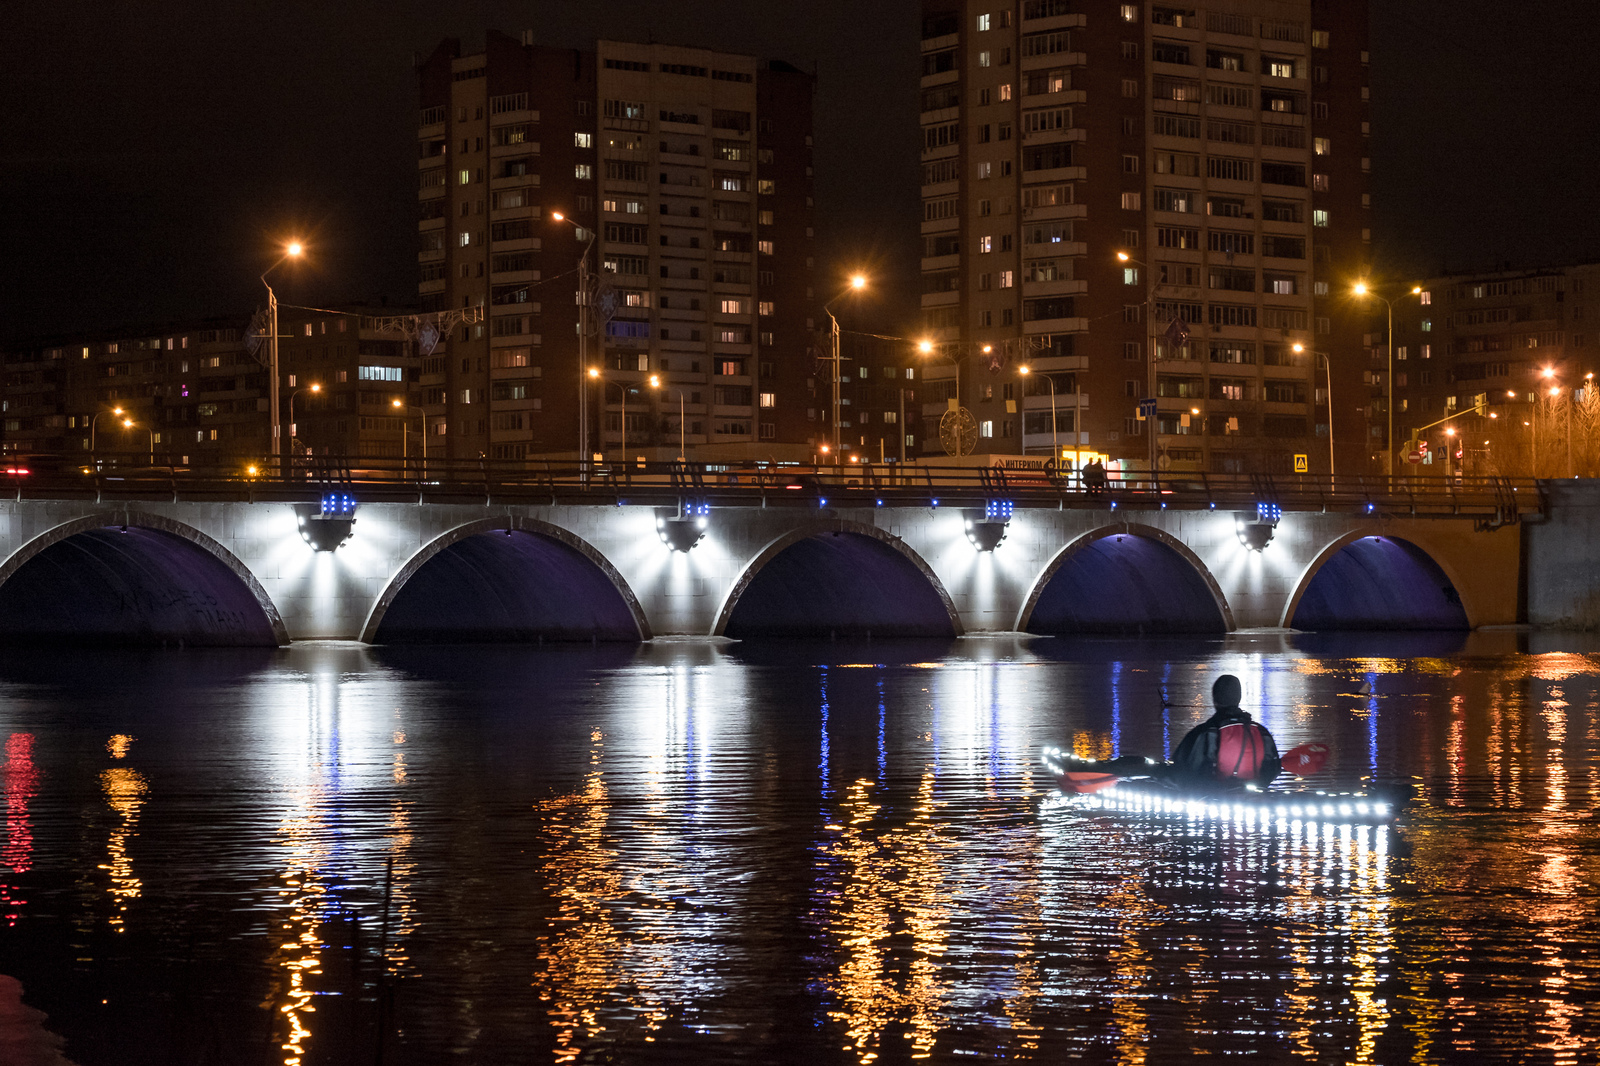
(1262, 808)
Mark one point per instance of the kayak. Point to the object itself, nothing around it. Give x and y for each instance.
(1273, 806)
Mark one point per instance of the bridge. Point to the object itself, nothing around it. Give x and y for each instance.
(628, 552)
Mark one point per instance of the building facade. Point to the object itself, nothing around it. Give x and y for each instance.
(682, 178)
(1146, 202)
(1494, 372)
(196, 393)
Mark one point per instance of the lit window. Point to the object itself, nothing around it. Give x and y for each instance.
(766, 187)
(1427, 325)
(1130, 201)
(983, 59)
(985, 429)
(1005, 92)
(985, 244)
(769, 399)
(583, 172)
(983, 23)
(1007, 279)
(1319, 217)
(985, 170)
(583, 140)
(1319, 39)
(1130, 275)
(1130, 12)
(764, 247)
(466, 177)
(1425, 298)
(465, 238)
(765, 307)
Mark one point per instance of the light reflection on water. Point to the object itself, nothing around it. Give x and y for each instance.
(789, 854)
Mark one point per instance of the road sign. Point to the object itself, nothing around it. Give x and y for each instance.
(1147, 408)
(1418, 454)
(1302, 464)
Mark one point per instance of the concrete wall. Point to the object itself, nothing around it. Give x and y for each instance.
(1563, 558)
(343, 595)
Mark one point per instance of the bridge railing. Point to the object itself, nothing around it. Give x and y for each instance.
(388, 478)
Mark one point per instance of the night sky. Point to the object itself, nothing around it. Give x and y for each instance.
(153, 153)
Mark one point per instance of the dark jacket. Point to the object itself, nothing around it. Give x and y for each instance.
(1194, 764)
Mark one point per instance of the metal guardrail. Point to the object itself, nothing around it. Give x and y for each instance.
(1495, 501)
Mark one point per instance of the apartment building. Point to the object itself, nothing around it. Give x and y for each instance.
(682, 178)
(196, 393)
(1222, 151)
(1480, 357)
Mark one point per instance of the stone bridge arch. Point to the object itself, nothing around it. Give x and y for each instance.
(1366, 580)
(1125, 578)
(506, 579)
(838, 577)
(134, 577)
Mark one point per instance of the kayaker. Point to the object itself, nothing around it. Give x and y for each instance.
(1229, 749)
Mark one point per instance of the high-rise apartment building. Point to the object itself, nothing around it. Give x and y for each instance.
(1222, 151)
(689, 172)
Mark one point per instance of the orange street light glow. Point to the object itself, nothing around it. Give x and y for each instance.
(655, 382)
(858, 281)
(987, 348)
(558, 216)
(924, 347)
(295, 248)
(1297, 346)
(127, 423)
(1024, 370)
(593, 372)
(1122, 257)
(394, 403)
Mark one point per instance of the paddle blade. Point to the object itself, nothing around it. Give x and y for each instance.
(1083, 782)
(1306, 759)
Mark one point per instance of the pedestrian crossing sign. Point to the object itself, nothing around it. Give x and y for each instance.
(1302, 464)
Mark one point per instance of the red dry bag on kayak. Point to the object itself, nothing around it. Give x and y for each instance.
(1240, 751)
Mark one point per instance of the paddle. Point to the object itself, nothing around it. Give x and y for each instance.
(1297, 762)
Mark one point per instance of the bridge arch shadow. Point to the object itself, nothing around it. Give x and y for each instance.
(129, 577)
(1125, 579)
(837, 579)
(506, 580)
(1364, 582)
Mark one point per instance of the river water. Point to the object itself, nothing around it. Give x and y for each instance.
(689, 852)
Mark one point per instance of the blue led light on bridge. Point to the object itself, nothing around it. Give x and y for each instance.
(332, 523)
(997, 511)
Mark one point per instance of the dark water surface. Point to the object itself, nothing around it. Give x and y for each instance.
(713, 852)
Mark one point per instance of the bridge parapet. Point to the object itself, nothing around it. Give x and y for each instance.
(1492, 501)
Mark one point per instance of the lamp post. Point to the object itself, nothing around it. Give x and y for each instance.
(857, 283)
(1363, 290)
(1150, 336)
(292, 250)
(585, 298)
(405, 431)
(93, 422)
(1055, 448)
(313, 388)
(128, 423)
(1328, 368)
(655, 383)
(623, 390)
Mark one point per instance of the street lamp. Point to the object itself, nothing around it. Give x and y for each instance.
(623, 389)
(1361, 289)
(1150, 336)
(655, 383)
(1055, 448)
(857, 283)
(128, 423)
(292, 250)
(313, 388)
(93, 422)
(585, 297)
(405, 434)
(1328, 366)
